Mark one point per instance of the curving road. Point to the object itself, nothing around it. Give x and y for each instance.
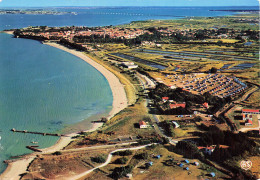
(148, 83)
(105, 163)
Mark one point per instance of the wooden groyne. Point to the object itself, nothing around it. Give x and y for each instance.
(33, 148)
(32, 132)
(102, 120)
(97, 122)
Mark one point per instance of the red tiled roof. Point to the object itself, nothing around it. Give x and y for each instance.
(223, 146)
(213, 147)
(200, 147)
(250, 121)
(205, 104)
(183, 105)
(142, 123)
(250, 110)
(210, 148)
(165, 98)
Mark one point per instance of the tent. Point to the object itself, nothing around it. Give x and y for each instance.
(158, 156)
(196, 163)
(181, 165)
(212, 174)
(149, 164)
(186, 161)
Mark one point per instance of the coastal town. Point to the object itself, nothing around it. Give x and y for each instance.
(115, 34)
(33, 12)
(185, 101)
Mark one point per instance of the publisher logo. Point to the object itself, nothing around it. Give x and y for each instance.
(246, 164)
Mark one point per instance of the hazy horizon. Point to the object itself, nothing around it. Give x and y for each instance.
(115, 6)
(123, 3)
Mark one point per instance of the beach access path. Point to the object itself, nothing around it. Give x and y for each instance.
(109, 158)
(18, 167)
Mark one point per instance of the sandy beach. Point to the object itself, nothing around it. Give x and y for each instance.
(120, 102)
(8, 32)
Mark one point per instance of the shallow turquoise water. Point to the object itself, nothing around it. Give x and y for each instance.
(44, 89)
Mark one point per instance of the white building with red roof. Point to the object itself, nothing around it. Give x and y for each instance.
(143, 125)
(248, 113)
(206, 105)
(249, 122)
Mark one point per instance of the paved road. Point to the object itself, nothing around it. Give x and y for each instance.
(248, 129)
(155, 118)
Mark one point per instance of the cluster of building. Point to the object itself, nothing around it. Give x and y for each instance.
(173, 104)
(70, 33)
(34, 12)
(216, 84)
(247, 115)
(210, 149)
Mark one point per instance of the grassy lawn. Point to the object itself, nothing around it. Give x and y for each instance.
(162, 169)
(67, 164)
(254, 99)
(223, 40)
(197, 23)
(124, 123)
(235, 116)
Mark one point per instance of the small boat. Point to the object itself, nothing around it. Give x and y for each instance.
(34, 142)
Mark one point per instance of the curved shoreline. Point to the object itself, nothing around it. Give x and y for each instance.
(14, 169)
(118, 91)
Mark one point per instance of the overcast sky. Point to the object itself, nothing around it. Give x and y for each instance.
(40, 3)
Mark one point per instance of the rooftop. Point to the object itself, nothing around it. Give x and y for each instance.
(250, 110)
(142, 123)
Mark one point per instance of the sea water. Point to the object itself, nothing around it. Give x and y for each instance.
(46, 89)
